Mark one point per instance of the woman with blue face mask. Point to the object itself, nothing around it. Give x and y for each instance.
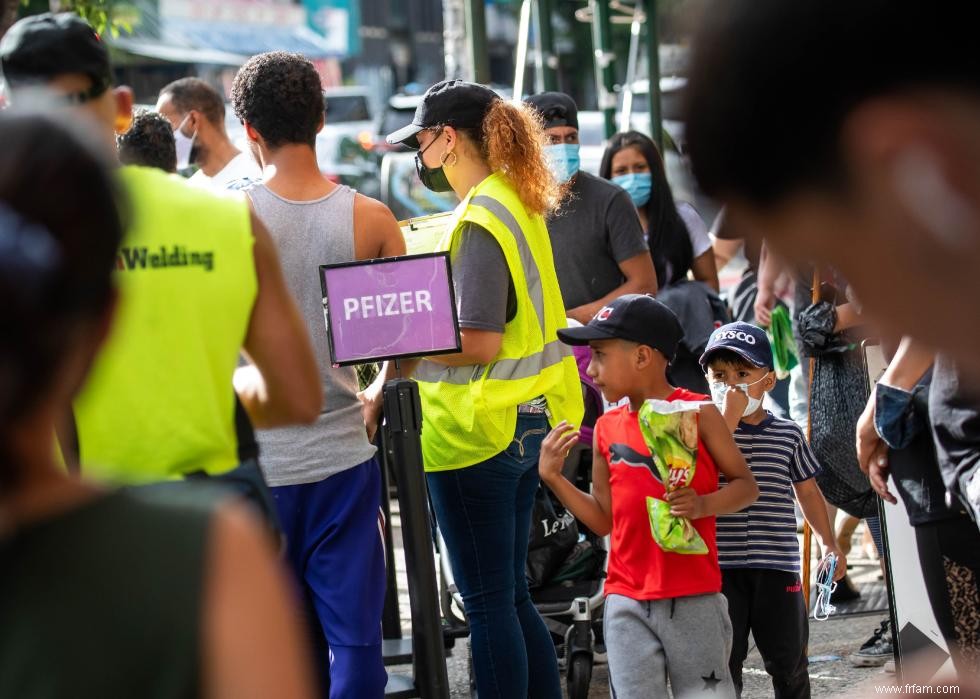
(677, 236)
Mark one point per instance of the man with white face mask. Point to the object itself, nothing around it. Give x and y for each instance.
(600, 250)
(197, 112)
(757, 547)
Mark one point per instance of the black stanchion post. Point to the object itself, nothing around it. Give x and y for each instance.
(391, 621)
(403, 417)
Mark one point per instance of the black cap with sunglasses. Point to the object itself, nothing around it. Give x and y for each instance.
(455, 103)
(39, 48)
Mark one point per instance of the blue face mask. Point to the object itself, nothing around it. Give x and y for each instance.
(637, 184)
(563, 160)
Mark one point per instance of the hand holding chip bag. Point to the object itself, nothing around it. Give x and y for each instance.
(670, 430)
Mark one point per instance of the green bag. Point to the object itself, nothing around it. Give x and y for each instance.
(670, 430)
(784, 351)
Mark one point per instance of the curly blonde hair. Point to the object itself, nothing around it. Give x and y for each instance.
(512, 141)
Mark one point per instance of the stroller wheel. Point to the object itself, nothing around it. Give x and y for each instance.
(579, 675)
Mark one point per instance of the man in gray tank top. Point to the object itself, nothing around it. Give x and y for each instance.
(324, 477)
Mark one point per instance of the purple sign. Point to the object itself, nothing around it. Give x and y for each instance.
(390, 308)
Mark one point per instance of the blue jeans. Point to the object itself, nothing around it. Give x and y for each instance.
(484, 514)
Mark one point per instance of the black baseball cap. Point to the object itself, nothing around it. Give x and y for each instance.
(744, 339)
(39, 48)
(455, 103)
(557, 108)
(635, 317)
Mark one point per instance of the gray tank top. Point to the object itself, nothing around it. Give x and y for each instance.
(308, 234)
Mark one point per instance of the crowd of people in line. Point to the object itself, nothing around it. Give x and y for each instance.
(190, 491)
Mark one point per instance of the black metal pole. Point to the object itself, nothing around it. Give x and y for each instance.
(403, 420)
(391, 621)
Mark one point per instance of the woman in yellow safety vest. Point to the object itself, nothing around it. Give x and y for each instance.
(488, 408)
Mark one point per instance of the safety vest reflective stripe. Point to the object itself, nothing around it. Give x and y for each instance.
(531, 273)
(501, 370)
(526, 367)
(458, 375)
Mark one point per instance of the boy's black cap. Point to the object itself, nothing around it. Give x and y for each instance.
(747, 341)
(455, 103)
(557, 108)
(39, 48)
(635, 317)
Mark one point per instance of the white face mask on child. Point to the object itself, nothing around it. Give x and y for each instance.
(720, 388)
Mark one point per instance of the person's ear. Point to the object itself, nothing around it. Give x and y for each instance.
(251, 133)
(642, 357)
(123, 97)
(922, 164)
(451, 136)
(770, 382)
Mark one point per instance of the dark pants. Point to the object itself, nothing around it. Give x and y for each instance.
(484, 514)
(949, 554)
(769, 603)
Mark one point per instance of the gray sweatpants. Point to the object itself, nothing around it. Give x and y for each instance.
(688, 639)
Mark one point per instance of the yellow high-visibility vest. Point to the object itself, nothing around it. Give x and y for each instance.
(470, 412)
(159, 402)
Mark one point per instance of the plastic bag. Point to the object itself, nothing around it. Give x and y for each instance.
(552, 538)
(780, 334)
(815, 324)
(670, 430)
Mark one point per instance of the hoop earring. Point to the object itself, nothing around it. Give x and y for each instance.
(445, 157)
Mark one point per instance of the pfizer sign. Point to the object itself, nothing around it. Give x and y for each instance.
(391, 308)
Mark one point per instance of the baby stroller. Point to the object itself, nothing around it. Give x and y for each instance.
(565, 567)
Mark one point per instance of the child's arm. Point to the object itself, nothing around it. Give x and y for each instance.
(814, 509)
(595, 510)
(741, 490)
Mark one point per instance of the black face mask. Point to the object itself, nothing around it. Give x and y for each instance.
(433, 178)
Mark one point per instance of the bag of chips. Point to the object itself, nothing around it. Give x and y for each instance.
(670, 430)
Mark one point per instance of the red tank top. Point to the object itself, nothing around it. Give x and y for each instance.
(638, 567)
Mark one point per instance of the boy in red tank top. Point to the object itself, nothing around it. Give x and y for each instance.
(664, 615)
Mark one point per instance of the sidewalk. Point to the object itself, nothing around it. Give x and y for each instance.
(831, 674)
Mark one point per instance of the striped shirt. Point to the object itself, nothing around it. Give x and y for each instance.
(763, 535)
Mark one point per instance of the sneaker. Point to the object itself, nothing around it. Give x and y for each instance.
(889, 667)
(877, 650)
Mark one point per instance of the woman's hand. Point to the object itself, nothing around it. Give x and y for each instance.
(554, 449)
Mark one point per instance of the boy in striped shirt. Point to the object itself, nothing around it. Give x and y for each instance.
(757, 547)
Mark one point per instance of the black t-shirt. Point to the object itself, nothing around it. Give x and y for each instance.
(595, 229)
(955, 418)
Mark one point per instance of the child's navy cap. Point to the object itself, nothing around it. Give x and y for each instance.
(635, 317)
(747, 341)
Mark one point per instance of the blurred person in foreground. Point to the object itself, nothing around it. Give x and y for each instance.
(196, 111)
(325, 477)
(102, 593)
(199, 280)
(148, 142)
(849, 133)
